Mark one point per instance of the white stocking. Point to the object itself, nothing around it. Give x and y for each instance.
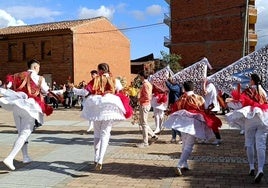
(104, 145)
(97, 149)
(188, 141)
(105, 137)
(261, 148)
(19, 144)
(261, 158)
(157, 122)
(158, 117)
(250, 155)
(184, 157)
(24, 150)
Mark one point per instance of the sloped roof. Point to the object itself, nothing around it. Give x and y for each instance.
(52, 26)
(149, 57)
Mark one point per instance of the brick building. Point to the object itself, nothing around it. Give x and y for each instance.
(146, 63)
(67, 49)
(222, 31)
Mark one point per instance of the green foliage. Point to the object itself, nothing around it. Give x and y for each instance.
(137, 83)
(170, 59)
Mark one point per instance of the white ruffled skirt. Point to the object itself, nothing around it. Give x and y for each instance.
(155, 104)
(20, 99)
(191, 123)
(103, 108)
(237, 117)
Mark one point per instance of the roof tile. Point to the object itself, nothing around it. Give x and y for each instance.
(45, 26)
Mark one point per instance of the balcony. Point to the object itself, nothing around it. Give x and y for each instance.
(167, 20)
(168, 1)
(252, 13)
(167, 42)
(252, 2)
(252, 38)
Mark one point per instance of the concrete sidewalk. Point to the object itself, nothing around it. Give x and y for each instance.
(62, 153)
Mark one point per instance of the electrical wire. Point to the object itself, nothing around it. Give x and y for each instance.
(160, 23)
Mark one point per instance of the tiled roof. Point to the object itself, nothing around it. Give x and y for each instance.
(45, 26)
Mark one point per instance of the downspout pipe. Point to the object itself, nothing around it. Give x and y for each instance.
(245, 40)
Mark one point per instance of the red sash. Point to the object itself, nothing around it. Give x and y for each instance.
(194, 104)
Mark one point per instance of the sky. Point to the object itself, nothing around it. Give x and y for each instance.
(140, 20)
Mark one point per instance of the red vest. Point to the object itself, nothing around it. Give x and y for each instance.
(22, 82)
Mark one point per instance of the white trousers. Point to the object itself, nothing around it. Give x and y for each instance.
(24, 124)
(90, 125)
(158, 118)
(187, 148)
(255, 138)
(102, 133)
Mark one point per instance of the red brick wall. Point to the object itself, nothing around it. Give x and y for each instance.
(91, 48)
(207, 28)
(72, 56)
(59, 65)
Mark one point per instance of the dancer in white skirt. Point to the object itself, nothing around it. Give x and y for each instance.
(104, 106)
(159, 103)
(210, 96)
(93, 74)
(192, 120)
(251, 109)
(28, 106)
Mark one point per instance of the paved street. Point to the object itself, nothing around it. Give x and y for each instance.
(62, 153)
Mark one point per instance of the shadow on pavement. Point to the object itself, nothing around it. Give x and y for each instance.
(66, 141)
(137, 171)
(62, 167)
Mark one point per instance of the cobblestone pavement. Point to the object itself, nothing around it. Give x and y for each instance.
(62, 153)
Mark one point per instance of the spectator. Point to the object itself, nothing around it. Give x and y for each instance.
(68, 96)
(174, 94)
(144, 108)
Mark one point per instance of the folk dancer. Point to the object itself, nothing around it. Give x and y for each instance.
(104, 105)
(193, 121)
(28, 106)
(251, 109)
(93, 73)
(159, 103)
(210, 96)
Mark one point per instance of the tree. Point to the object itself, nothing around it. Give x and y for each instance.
(170, 59)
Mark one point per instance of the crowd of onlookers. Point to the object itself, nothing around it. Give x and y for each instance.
(67, 99)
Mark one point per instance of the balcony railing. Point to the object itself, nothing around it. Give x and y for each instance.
(168, 1)
(252, 13)
(252, 38)
(167, 42)
(252, 2)
(167, 19)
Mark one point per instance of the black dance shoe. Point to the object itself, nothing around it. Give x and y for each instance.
(258, 177)
(251, 172)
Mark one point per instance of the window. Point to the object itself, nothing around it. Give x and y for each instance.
(12, 52)
(29, 50)
(24, 51)
(45, 50)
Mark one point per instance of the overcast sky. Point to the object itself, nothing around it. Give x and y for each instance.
(142, 18)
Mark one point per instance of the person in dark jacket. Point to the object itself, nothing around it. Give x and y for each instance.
(174, 94)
